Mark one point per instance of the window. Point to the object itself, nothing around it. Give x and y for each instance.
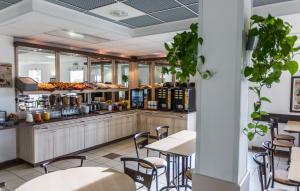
(73, 67)
(123, 73)
(101, 70)
(35, 74)
(159, 77)
(143, 72)
(38, 64)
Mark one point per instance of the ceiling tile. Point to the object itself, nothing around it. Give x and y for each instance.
(174, 14)
(149, 6)
(66, 5)
(88, 4)
(141, 21)
(188, 2)
(3, 5)
(12, 1)
(257, 3)
(194, 7)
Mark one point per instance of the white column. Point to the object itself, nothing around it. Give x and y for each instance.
(222, 102)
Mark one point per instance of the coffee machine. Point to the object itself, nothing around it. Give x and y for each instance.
(184, 99)
(164, 98)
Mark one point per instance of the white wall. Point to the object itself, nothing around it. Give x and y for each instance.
(279, 94)
(7, 102)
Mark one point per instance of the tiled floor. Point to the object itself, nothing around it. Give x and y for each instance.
(17, 175)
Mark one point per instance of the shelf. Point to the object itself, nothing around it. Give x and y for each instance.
(73, 91)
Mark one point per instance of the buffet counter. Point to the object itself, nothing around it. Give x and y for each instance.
(42, 142)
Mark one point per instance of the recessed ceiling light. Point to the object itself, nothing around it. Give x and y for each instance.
(75, 35)
(118, 13)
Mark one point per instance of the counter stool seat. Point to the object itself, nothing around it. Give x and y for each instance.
(283, 143)
(157, 162)
(281, 176)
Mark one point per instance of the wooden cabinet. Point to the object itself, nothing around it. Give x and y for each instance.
(76, 138)
(129, 125)
(102, 131)
(43, 146)
(155, 121)
(90, 134)
(61, 142)
(115, 128)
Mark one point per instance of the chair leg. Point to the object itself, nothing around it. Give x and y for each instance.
(156, 181)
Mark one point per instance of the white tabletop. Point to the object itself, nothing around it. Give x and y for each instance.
(81, 179)
(292, 126)
(294, 170)
(182, 143)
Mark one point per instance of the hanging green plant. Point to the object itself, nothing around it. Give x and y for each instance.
(182, 55)
(272, 56)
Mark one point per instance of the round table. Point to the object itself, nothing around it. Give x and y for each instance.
(81, 179)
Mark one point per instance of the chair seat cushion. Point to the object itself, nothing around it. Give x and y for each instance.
(285, 137)
(281, 176)
(157, 162)
(283, 143)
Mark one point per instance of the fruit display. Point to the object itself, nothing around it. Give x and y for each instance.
(52, 86)
(46, 86)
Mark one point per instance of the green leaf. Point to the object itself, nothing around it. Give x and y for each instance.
(292, 66)
(263, 128)
(248, 71)
(265, 99)
(251, 126)
(264, 113)
(255, 115)
(250, 136)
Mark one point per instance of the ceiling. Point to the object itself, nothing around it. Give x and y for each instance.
(146, 24)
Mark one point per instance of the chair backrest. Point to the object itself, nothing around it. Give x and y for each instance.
(271, 152)
(143, 178)
(162, 132)
(46, 164)
(274, 126)
(264, 177)
(140, 141)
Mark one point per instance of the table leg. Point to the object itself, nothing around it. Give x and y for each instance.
(299, 140)
(168, 170)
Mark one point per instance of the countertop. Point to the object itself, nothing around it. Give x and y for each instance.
(23, 123)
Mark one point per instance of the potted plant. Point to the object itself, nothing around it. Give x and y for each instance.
(272, 56)
(109, 103)
(125, 79)
(124, 104)
(183, 55)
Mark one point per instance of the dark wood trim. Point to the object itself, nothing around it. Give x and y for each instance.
(283, 118)
(75, 51)
(10, 163)
(86, 53)
(292, 94)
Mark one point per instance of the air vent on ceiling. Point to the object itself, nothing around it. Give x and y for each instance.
(77, 36)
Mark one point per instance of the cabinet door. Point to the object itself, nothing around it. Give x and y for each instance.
(115, 128)
(179, 125)
(43, 145)
(76, 138)
(155, 121)
(61, 141)
(143, 122)
(126, 125)
(90, 134)
(102, 131)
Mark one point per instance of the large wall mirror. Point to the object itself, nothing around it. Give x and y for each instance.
(143, 73)
(73, 67)
(123, 72)
(38, 64)
(101, 70)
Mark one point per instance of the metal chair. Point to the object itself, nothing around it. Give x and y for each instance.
(279, 176)
(279, 142)
(276, 134)
(162, 132)
(143, 178)
(46, 164)
(263, 176)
